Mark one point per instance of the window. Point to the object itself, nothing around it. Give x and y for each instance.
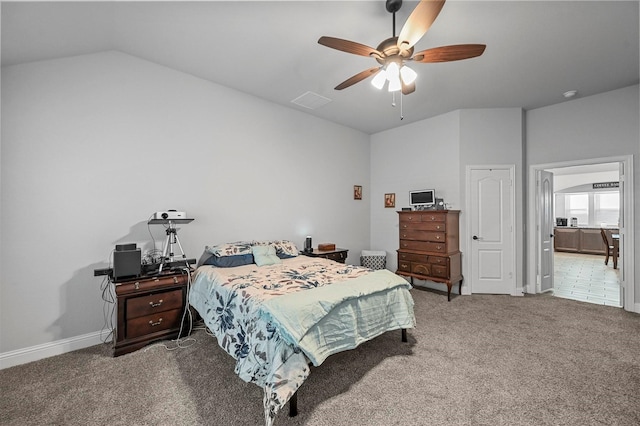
(595, 209)
(606, 208)
(577, 205)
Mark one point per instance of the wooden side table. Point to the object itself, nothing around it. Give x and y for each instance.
(338, 254)
(149, 309)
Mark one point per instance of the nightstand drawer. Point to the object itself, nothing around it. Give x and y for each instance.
(153, 323)
(153, 303)
(338, 257)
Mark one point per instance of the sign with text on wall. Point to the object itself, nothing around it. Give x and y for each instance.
(603, 185)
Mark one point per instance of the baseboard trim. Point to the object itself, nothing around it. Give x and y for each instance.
(637, 308)
(46, 350)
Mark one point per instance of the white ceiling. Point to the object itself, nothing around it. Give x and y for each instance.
(535, 50)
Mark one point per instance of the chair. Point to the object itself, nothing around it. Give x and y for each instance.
(608, 245)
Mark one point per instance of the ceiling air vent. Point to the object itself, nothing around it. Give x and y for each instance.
(311, 100)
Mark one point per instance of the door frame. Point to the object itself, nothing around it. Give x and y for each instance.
(512, 210)
(626, 218)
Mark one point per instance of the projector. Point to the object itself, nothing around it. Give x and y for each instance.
(170, 215)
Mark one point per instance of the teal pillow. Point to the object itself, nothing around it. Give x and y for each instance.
(265, 255)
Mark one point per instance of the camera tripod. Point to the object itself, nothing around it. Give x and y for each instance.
(168, 255)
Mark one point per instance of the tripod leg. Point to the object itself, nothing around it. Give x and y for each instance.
(165, 250)
(181, 250)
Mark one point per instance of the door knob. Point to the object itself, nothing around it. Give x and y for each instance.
(475, 237)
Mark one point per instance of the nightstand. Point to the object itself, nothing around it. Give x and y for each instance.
(149, 309)
(338, 254)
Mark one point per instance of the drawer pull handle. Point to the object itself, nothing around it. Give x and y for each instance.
(155, 305)
(137, 285)
(175, 280)
(404, 265)
(153, 324)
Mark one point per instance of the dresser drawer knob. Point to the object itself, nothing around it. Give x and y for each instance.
(155, 305)
(137, 285)
(404, 265)
(153, 324)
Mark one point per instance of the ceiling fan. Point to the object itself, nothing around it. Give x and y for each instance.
(394, 52)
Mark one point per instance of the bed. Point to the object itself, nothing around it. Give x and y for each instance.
(277, 313)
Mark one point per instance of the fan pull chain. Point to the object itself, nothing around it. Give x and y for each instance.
(393, 104)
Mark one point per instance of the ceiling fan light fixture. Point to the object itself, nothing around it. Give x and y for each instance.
(393, 71)
(394, 84)
(408, 75)
(379, 80)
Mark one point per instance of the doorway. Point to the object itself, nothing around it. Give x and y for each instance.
(535, 236)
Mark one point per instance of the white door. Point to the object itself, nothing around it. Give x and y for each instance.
(491, 230)
(545, 225)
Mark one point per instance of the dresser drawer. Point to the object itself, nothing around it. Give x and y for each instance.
(413, 257)
(423, 246)
(435, 260)
(154, 303)
(432, 217)
(441, 271)
(421, 268)
(423, 226)
(404, 265)
(153, 323)
(422, 235)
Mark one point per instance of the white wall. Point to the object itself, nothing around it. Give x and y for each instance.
(434, 153)
(93, 145)
(420, 155)
(599, 126)
(562, 182)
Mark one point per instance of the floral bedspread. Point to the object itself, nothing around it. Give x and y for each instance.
(229, 300)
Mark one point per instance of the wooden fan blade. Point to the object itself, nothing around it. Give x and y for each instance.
(349, 46)
(419, 22)
(358, 77)
(449, 53)
(408, 88)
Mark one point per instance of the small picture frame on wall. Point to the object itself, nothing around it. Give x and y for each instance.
(357, 192)
(390, 200)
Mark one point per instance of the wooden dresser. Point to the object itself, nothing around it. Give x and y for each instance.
(430, 247)
(149, 309)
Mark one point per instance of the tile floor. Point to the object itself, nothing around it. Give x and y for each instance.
(586, 278)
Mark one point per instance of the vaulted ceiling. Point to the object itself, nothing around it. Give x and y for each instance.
(536, 50)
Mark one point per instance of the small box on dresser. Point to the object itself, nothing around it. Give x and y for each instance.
(149, 309)
(430, 247)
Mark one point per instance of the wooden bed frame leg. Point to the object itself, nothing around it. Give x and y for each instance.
(293, 405)
(404, 334)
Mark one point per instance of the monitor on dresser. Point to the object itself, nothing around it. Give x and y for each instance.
(424, 198)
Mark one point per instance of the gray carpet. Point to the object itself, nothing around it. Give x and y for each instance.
(478, 360)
